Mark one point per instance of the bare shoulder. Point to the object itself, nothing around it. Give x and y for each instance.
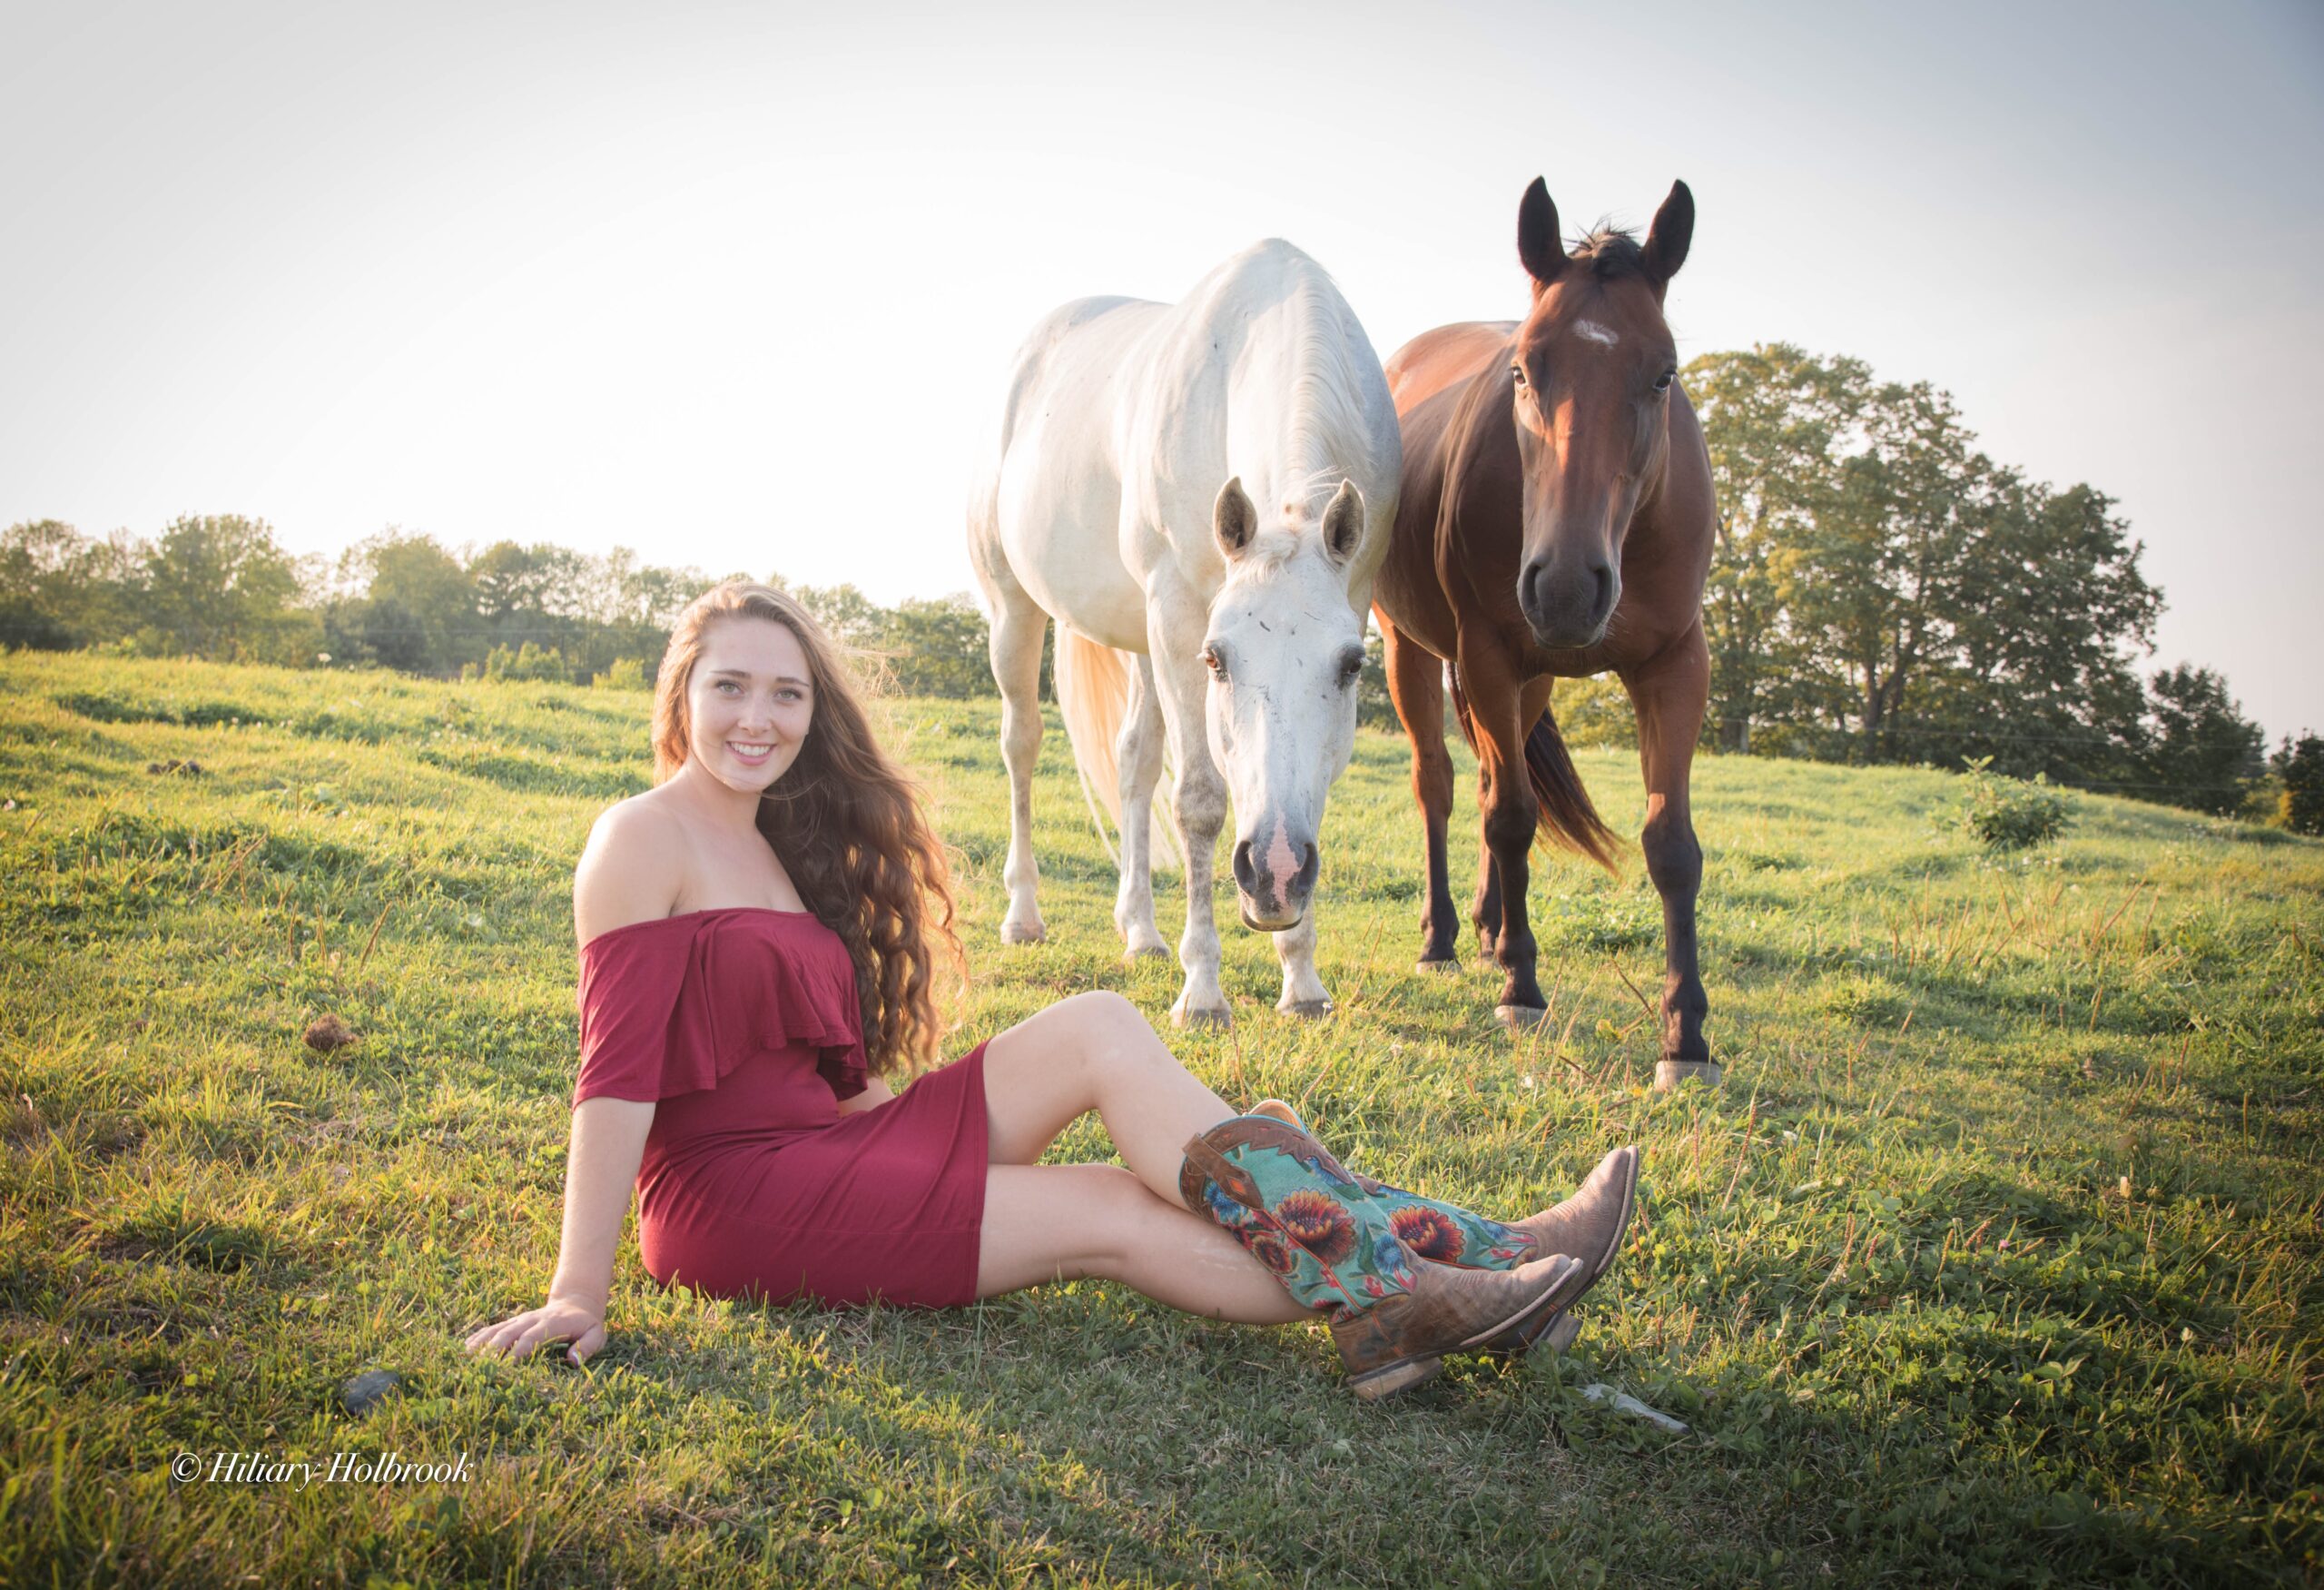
(632, 868)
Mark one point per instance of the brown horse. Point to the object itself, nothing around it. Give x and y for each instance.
(1556, 521)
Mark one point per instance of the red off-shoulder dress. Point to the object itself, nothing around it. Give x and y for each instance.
(742, 1026)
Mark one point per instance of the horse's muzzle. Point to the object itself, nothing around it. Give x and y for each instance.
(1568, 608)
(1272, 902)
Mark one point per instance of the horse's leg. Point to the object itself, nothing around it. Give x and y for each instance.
(1670, 691)
(1484, 911)
(1416, 687)
(1138, 754)
(1304, 993)
(1496, 707)
(1534, 701)
(1017, 628)
(1174, 624)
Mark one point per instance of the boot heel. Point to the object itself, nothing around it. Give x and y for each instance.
(1555, 1337)
(1571, 1276)
(1387, 1380)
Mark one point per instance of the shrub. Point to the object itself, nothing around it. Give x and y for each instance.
(2009, 814)
(626, 674)
(529, 662)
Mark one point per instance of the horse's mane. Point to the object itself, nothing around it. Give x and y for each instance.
(1610, 252)
(1326, 388)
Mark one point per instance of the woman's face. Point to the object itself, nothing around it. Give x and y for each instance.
(749, 703)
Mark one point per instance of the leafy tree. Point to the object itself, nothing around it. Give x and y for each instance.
(940, 647)
(619, 592)
(1886, 592)
(2300, 765)
(1595, 711)
(1880, 566)
(2051, 603)
(43, 566)
(219, 587)
(2202, 750)
(513, 584)
(420, 611)
(850, 617)
(616, 606)
(1772, 419)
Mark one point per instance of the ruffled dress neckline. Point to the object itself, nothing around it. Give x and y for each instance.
(672, 1004)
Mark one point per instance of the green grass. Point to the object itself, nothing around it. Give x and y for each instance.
(1995, 1259)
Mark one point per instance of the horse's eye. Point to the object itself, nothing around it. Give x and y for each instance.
(1351, 665)
(1518, 371)
(1662, 382)
(1210, 660)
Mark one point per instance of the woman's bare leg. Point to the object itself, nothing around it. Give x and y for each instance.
(1095, 1051)
(1061, 1222)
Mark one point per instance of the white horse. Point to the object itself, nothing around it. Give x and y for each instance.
(1205, 489)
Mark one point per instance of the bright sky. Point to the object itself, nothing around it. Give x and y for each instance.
(736, 285)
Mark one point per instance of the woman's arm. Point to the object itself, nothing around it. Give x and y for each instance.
(600, 1170)
(875, 1093)
(608, 1141)
(624, 877)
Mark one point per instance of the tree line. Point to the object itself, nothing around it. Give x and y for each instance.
(223, 587)
(1882, 592)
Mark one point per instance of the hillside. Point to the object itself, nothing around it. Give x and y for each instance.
(1996, 1256)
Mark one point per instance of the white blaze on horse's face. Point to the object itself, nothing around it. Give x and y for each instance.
(1285, 649)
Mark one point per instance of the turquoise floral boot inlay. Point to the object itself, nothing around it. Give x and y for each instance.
(1444, 1232)
(1302, 1214)
(1448, 1233)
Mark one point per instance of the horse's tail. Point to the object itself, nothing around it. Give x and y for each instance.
(1568, 818)
(1093, 697)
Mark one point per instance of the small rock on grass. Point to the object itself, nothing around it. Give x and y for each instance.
(325, 1033)
(368, 1389)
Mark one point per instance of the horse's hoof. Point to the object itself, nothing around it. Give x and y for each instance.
(1147, 952)
(1308, 1007)
(1180, 1016)
(1447, 967)
(1016, 932)
(1670, 1073)
(1515, 1016)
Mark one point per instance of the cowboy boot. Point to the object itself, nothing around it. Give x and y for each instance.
(1393, 1315)
(1588, 1226)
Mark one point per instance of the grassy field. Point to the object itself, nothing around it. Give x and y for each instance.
(1996, 1260)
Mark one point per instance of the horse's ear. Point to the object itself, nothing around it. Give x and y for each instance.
(1537, 244)
(1667, 239)
(1344, 522)
(1233, 517)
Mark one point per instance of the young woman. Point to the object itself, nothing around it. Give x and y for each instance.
(758, 935)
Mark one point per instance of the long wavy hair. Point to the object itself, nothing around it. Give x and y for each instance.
(844, 821)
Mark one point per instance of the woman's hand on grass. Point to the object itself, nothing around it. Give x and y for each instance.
(558, 1319)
